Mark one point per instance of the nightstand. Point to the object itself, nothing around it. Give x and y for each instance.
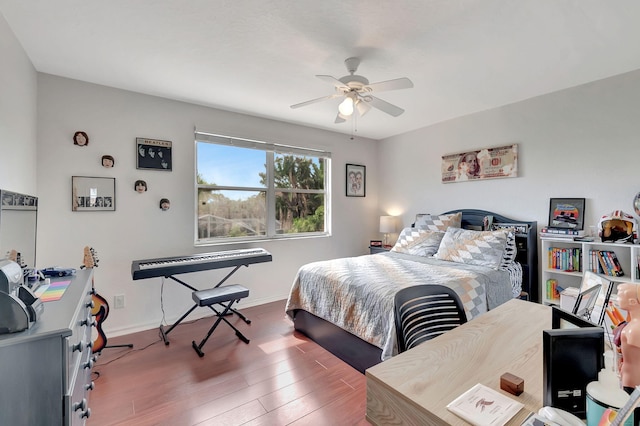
(379, 249)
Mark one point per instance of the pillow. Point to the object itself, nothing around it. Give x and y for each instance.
(484, 248)
(510, 249)
(438, 222)
(419, 242)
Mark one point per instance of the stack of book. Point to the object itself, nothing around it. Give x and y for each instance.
(547, 232)
(565, 259)
(605, 262)
(553, 289)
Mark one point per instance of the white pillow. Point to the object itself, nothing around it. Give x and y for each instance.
(484, 248)
(418, 242)
(438, 222)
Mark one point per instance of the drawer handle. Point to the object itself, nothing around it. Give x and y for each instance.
(79, 347)
(90, 322)
(82, 405)
(86, 413)
(89, 364)
(90, 304)
(90, 386)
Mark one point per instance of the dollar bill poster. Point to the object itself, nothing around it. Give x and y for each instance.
(487, 163)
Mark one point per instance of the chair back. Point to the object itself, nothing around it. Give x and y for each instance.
(424, 312)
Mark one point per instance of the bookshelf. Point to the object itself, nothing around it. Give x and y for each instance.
(574, 257)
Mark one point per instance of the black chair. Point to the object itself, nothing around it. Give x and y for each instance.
(424, 312)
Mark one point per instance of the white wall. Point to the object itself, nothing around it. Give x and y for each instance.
(582, 142)
(18, 98)
(138, 229)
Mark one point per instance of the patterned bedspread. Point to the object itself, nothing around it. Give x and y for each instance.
(357, 293)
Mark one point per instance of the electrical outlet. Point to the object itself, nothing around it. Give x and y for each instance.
(118, 301)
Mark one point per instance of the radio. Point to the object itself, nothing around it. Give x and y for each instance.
(19, 307)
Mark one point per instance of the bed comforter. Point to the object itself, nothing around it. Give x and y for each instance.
(357, 293)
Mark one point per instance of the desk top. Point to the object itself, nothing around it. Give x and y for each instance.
(415, 386)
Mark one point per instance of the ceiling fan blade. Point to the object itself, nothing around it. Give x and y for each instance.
(362, 107)
(396, 84)
(313, 101)
(332, 80)
(385, 106)
(339, 119)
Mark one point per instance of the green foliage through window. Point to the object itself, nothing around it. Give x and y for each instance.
(241, 196)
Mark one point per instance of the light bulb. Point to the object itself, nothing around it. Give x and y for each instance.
(346, 107)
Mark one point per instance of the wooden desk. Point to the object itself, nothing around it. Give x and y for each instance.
(414, 387)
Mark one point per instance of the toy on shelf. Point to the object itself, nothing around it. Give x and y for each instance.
(618, 227)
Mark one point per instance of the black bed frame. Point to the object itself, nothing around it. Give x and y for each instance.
(362, 355)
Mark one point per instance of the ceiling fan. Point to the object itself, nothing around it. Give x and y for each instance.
(355, 89)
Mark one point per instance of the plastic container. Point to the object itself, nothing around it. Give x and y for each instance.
(605, 393)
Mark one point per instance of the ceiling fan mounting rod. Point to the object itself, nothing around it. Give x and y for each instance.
(352, 64)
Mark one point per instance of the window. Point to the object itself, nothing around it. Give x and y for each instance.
(248, 190)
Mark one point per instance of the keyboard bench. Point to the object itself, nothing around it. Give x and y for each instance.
(225, 293)
(225, 296)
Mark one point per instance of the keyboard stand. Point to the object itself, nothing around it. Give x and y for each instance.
(229, 310)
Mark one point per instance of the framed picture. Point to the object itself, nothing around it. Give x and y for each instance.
(566, 213)
(486, 163)
(375, 243)
(153, 154)
(93, 194)
(356, 180)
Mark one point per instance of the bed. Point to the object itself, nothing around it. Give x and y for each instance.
(346, 304)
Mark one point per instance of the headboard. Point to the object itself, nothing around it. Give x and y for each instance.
(526, 244)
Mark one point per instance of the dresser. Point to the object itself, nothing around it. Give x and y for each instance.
(45, 371)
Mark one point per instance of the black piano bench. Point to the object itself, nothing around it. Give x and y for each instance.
(225, 296)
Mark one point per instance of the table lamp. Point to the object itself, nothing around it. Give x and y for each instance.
(387, 225)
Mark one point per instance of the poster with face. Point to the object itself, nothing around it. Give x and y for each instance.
(487, 163)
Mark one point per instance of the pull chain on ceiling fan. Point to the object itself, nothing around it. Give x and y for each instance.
(355, 89)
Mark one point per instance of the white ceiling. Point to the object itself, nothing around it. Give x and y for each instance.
(260, 56)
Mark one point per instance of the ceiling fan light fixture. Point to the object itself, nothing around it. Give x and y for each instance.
(346, 107)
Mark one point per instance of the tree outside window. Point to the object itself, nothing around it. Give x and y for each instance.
(259, 191)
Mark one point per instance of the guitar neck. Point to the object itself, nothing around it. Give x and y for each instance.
(626, 411)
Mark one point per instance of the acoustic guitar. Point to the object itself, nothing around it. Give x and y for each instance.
(611, 418)
(100, 309)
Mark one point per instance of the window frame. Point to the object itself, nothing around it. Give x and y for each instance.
(271, 150)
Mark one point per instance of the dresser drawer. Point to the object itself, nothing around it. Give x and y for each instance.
(80, 340)
(77, 399)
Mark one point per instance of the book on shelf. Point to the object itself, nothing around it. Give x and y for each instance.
(561, 231)
(553, 289)
(483, 406)
(568, 259)
(609, 263)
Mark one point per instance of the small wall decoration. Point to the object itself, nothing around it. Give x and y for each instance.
(80, 138)
(17, 201)
(487, 163)
(93, 194)
(356, 180)
(165, 204)
(108, 161)
(153, 154)
(140, 186)
(567, 213)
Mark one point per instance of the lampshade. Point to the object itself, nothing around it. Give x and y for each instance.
(387, 224)
(346, 107)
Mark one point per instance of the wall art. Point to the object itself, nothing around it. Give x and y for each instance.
(153, 154)
(356, 180)
(487, 163)
(92, 194)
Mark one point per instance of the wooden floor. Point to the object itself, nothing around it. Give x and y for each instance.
(279, 378)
